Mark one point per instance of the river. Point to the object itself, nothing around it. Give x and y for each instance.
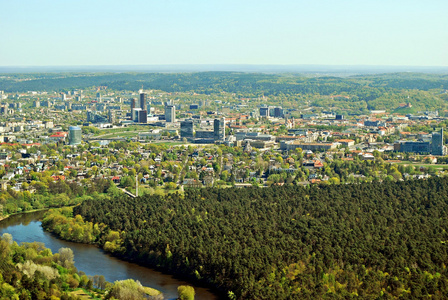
(93, 261)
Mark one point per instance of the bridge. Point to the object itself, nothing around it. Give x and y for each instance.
(128, 193)
(105, 139)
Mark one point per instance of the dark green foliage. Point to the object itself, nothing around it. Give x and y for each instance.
(288, 242)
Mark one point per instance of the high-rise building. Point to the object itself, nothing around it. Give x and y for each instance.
(74, 135)
(36, 103)
(111, 116)
(219, 129)
(135, 114)
(437, 143)
(186, 129)
(90, 116)
(170, 113)
(143, 116)
(264, 111)
(278, 112)
(143, 104)
(133, 104)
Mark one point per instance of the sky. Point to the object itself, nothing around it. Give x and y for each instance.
(259, 32)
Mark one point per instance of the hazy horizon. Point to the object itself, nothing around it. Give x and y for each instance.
(263, 68)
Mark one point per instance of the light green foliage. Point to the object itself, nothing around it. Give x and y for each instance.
(7, 292)
(186, 292)
(128, 290)
(31, 271)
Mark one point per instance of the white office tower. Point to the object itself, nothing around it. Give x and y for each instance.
(170, 113)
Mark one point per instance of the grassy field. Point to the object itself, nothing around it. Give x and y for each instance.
(123, 134)
(121, 129)
(170, 143)
(419, 164)
(84, 295)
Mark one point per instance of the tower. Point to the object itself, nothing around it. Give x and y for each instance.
(143, 104)
(170, 113)
(278, 112)
(111, 116)
(219, 130)
(264, 112)
(186, 129)
(75, 135)
(142, 116)
(135, 114)
(132, 106)
(437, 143)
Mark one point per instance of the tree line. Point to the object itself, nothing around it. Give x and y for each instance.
(31, 271)
(366, 240)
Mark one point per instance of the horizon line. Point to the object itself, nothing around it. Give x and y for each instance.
(223, 64)
(345, 70)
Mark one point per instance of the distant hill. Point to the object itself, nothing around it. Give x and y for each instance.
(360, 93)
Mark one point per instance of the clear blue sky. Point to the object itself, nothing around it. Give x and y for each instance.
(146, 32)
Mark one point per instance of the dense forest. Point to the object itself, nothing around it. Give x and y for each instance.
(380, 91)
(362, 240)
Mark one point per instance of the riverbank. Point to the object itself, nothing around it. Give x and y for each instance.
(23, 212)
(44, 275)
(32, 211)
(61, 224)
(94, 261)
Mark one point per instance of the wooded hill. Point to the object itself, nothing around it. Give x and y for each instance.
(320, 242)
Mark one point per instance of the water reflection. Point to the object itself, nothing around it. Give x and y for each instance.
(92, 260)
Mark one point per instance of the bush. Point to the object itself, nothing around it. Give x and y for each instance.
(186, 292)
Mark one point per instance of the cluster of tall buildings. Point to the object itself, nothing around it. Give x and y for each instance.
(271, 111)
(205, 136)
(140, 109)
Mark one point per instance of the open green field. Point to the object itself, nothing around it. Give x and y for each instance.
(124, 134)
(419, 164)
(84, 295)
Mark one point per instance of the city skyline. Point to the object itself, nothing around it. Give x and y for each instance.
(111, 33)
